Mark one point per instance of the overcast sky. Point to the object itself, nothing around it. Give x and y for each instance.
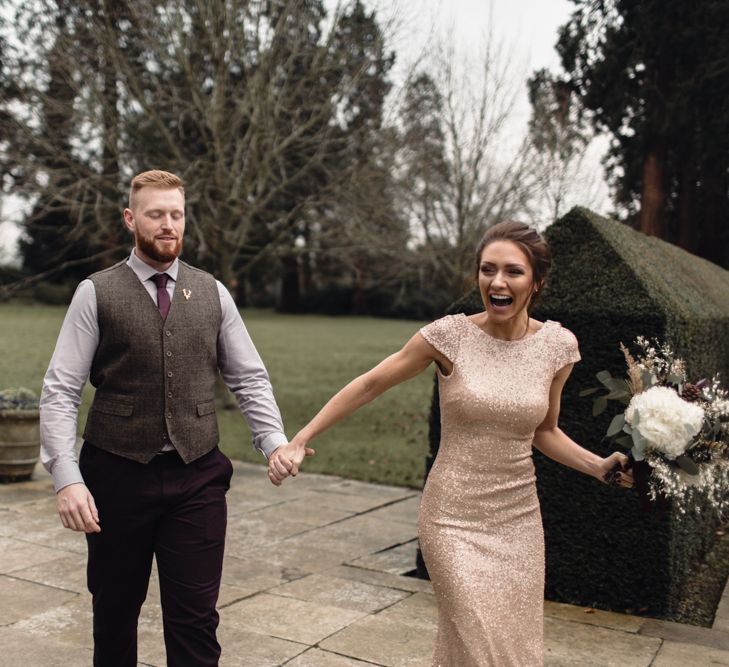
(527, 29)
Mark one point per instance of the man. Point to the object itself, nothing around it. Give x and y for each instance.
(153, 333)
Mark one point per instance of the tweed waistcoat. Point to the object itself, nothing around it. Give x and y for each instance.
(155, 378)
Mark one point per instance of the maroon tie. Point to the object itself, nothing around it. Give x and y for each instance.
(163, 297)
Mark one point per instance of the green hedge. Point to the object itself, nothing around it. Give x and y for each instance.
(609, 284)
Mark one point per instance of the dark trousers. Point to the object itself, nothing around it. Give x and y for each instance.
(177, 513)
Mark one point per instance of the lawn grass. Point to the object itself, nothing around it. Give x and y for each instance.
(308, 358)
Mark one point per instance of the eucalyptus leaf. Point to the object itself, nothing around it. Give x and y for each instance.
(687, 464)
(616, 395)
(625, 441)
(690, 430)
(616, 425)
(591, 390)
(636, 417)
(639, 445)
(648, 379)
(616, 384)
(627, 429)
(599, 406)
(603, 376)
(674, 379)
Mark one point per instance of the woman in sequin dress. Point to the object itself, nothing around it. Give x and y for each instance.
(500, 375)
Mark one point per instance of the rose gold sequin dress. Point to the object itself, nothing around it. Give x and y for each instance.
(480, 525)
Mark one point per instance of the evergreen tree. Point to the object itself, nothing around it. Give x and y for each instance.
(653, 75)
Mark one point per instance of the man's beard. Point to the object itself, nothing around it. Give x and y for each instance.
(150, 248)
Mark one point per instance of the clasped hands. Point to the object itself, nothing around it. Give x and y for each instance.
(285, 461)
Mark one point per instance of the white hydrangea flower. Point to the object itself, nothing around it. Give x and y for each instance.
(665, 420)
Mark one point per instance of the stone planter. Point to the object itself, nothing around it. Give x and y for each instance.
(19, 444)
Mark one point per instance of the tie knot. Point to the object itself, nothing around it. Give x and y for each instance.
(160, 279)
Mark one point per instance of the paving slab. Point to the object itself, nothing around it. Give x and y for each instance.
(335, 592)
(349, 501)
(65, 571)
(287, 618)
(245, 577)
(247, 649)
(686, 634)
(306, 556)
(411, 584)
(315, 657)
(406, 510)
(19, 647)
(590, 616)
(17, 554)
(305, 513)
(24, 599)
(394, 638)
(246, 531)
(396, 560)
(675, 654)
(360, 535)
(43, 529)
(568, 644)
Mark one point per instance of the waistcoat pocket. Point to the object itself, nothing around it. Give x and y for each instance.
(205, 408)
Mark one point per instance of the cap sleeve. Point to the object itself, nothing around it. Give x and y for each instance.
(567, 351)
(444, 335)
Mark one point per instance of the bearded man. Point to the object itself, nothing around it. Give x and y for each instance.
(153, 333)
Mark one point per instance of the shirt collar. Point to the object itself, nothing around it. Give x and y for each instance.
(144, 271)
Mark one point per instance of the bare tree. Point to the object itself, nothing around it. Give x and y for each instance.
(460, 171)
(242, 98)
(561, 160)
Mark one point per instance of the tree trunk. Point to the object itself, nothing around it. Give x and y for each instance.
(290, 286)
(714, 210)
(688, 215)
(653, 196)
(359, 296)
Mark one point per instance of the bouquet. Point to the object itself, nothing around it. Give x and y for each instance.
(676, 430)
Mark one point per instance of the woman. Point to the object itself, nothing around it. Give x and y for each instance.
(501, 376)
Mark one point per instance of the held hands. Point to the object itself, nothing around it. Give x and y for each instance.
(615, 470)
(77, 509)
(286, 460)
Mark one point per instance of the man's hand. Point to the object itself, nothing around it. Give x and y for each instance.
(77, 509)
(286, 460)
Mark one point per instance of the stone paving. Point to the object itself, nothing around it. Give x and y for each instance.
(314, 577)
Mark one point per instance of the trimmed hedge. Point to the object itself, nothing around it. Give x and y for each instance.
(609, 284)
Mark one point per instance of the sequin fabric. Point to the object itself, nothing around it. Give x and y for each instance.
(480, 525)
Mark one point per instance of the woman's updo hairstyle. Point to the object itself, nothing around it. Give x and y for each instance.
(528, 239)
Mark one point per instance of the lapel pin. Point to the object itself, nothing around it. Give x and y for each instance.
(186, 293)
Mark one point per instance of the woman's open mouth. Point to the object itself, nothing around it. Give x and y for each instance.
(500, 300)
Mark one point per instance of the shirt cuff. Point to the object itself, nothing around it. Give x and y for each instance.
(65, 474)
(272, 442)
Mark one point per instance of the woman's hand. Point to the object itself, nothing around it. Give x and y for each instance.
(286, 460)
(615, 470)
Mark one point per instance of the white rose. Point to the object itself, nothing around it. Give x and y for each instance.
(665, 420)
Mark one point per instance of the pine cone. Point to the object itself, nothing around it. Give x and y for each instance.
(691, 393)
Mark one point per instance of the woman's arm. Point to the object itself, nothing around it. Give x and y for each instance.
(412, 359)
(554, 443)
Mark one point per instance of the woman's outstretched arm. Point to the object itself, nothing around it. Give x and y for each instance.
(413, 358)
